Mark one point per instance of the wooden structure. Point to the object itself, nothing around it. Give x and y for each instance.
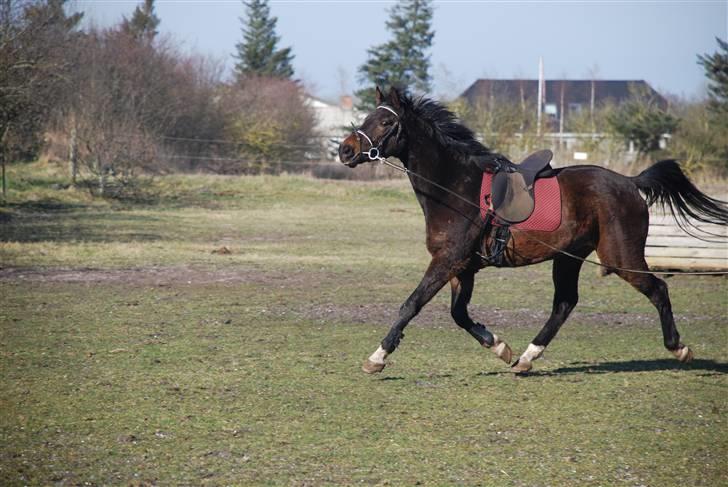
(671, 249)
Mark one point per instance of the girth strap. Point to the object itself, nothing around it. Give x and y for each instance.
(500, 233)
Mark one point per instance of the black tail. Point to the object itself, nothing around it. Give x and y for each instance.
(666, 184)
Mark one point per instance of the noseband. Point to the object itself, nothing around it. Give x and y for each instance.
(375, 152)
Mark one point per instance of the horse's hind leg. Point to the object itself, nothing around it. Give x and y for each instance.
(462, 291)
(566, 282)
(656, 291)
(654, 288)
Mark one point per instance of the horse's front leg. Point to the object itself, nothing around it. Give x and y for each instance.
(462, 291)
(436, 276)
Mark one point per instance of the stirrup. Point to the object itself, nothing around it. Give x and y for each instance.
(495, 254)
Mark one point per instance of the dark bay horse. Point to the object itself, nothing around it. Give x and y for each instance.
(601, 210)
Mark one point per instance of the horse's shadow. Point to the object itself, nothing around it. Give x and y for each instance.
(707, 368)
(710, 367)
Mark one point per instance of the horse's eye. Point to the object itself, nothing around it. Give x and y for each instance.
(386, 123)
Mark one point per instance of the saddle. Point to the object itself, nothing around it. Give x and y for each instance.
(512, 197)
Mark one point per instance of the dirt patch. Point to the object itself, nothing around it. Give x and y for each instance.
(151, 275)
(433, 315)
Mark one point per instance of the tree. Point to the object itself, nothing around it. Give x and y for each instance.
(36, 45)
(271, 122)
(716, 70)
(140, 108)
(403, 61)
(257, 53)
(497, 120)
(144, 22)
(698, 141)
(642, 121)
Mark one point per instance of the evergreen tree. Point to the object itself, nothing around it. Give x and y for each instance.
(642, 121)
(716, 70)
(144, 22)
(403, 61)
(257, 54)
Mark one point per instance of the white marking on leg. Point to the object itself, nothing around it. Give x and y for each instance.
(498, 344)
(501, 349)
(378, 356)
(532, 352)
(683, 354)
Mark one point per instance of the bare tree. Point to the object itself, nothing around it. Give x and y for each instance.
(270, 120)
(139, 107)
(502, 123)
(35, 37)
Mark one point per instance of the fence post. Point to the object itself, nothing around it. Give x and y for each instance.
(72, 154)
(100, 170)
(2, 156)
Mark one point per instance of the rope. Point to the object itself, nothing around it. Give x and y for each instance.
(538, 240)
(407, 171)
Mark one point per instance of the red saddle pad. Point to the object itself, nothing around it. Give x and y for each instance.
(546, 216)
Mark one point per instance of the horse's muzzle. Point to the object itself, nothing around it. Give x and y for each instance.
(348, 153)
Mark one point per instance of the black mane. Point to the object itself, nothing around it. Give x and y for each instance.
(444, 126)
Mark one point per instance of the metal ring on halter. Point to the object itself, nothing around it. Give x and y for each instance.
(373, 154)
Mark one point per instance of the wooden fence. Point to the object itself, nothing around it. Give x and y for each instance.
(669, 248)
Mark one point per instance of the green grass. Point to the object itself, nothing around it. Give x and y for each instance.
(131, 354)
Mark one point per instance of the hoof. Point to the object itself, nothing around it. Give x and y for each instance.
(683, 354)
(522, 366)
(372, 367)
(502, 350)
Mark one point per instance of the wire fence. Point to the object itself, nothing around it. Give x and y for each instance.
(317, 157)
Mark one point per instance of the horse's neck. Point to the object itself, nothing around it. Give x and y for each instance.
(434, 163)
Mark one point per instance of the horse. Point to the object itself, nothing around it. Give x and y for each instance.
(601, 210)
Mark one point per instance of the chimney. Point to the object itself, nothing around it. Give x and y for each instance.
(346, 102)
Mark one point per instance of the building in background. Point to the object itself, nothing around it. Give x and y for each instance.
(333, 121)
(561, 97)
(565, 105)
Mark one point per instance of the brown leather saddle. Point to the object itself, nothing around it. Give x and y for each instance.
(512, 197)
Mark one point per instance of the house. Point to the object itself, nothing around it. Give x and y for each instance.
(333, 123)
(561, 97)
(562, 101)
(334, 120)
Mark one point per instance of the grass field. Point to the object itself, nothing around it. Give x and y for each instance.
(215, 334)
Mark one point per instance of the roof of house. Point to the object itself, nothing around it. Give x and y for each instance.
(575, 91)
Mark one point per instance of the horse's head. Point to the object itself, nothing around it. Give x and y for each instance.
(381, 135)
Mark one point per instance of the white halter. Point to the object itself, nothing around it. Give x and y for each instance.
(385, 107)
(373, 152)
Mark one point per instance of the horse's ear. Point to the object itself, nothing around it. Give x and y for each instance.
(394, 98)
(379, 96)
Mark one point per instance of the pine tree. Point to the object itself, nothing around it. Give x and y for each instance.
(716, 70)
(641, 120)
(403, 61)
(144, 22)
(257, 54)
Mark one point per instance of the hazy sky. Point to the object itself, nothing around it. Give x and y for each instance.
(652, 40)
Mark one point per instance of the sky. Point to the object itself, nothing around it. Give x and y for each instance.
(657, 41)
